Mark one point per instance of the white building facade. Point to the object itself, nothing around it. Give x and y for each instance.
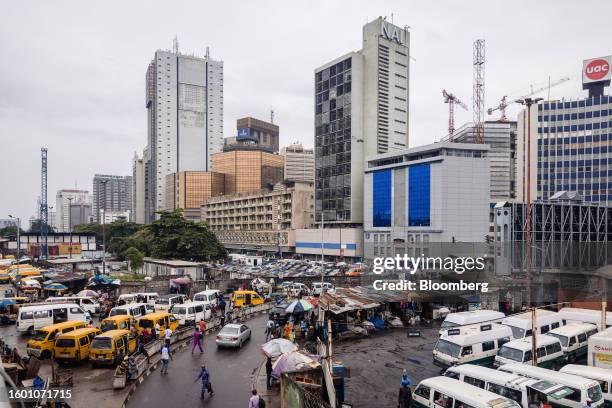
(299, 163)
(361, 109)
(138, 189)
(433, 193)
(184, 100)
(63, 199)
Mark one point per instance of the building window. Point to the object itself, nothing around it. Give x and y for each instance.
(381, 195)
(419, 198)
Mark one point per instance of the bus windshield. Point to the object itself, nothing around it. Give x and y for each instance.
(108, 325)
(116, 312)
(448, 348)
(517, 332)
(40, 335)
(511, 353)
(564, 339)
(104, 343)
(446, 324)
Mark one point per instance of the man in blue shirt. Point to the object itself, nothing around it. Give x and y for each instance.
(206, 386)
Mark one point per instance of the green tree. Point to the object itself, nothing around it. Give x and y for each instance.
(10, 231)
(35, 226)
(135, 258)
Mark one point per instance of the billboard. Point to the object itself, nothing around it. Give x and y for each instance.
(246, 134)
(596, 69)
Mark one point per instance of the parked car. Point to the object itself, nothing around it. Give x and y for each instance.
(233, 335)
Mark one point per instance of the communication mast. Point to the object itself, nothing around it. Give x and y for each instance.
(44, 215)
(452, 100)
(479, 90)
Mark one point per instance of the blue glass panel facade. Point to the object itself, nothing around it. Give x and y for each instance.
(381, 198)
(419, 195)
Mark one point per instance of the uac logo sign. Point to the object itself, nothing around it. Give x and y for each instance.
(394, 33)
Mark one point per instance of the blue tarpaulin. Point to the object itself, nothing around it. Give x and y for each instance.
(378, 323)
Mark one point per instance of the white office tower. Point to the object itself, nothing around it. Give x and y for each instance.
(299, 163)
(63, 200)
(361, 110)
(138, 189)
(184, 100)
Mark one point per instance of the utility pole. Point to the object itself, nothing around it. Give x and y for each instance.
(70, 223)
(534, 329)
(18, 234)
(103, 227)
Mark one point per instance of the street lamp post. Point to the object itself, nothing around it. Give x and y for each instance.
(70, 224)
(103, 227)
(18, 234)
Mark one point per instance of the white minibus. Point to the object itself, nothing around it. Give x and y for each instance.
(444, 392)
(476, 344)
(602, 375)
(521, 323)
(471, 317)
(600, 349)
(549, 353)
(87, 303)
(574, 339)
(165, 302)
(147, 297)
(34, 317)
(127, 298)
(523, 390)
(209, 296)
(575, 314)
(136, 310)
(189, 313)
(583, 389)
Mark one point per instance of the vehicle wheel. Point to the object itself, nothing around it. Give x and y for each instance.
(45, 355)
(31, 330)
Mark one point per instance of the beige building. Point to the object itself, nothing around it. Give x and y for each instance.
(188, 189)
(248, 170)
(264, 220)
(254, 132)
(299, 163)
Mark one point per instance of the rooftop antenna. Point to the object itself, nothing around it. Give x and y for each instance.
(175, 48)
(207, 52)
(391, 18)
(271, 115)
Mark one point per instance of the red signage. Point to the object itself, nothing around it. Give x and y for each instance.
(597, 69)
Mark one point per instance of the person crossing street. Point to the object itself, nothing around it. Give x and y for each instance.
(206, 384)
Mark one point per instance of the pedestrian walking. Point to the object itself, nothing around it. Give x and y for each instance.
(165, 358)
(404, 399)
(202, 326)
(157, 331)
(304, 329)
(255, 401)
(197, 340)
(206, 384)
(269, 328)
(222, 320)
(269, 373)
(141, 348)
(168, 337)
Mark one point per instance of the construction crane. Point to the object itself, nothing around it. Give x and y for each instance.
(505, 102)
(452, 100)
(478, 92)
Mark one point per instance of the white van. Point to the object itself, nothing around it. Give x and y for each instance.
(127, 298)
(602, 375)
(582, 388)
(87, 303)
(513, 386)
(210, 297)
(34, 317)
(574, 339)
(471, 317)
(165, 302)
(578, 315)
(476, 344)
(189, 313)
(444, 392)
(136, 310)
(521, 323)
(322, 287)
(296, 288)
(600, 349)
(146, 297)
(549, 353)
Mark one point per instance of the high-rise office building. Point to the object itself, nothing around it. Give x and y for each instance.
(361, 109)
(184, 100)
(571, 142)
(501, 138)
(187, 190)
(299, 163)
(80, 213)
(138, 189)
(63, 200)
(111, 193)
(248, 169)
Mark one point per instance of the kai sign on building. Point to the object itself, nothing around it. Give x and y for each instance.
(394, 33)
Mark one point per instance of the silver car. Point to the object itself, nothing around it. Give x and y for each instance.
(233, 335)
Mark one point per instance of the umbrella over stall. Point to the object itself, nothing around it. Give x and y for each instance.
(56, 287)
(299, 306)
(292, 361)
(88, 293)
(276, 347)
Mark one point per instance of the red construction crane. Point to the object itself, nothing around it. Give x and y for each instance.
(452, 100)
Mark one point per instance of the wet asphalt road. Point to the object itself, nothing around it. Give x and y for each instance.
(231, 371)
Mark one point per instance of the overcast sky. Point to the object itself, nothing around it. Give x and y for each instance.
(72, 72)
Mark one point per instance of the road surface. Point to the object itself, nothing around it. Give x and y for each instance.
(231, 372)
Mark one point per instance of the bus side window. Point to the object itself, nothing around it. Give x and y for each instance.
(582, 337)
(442, 400)
(423, 392)
(554, 325)
(466, 351)
(541, 352)
(544, 329)
(572, 340)
(528, 333)
(83, 341)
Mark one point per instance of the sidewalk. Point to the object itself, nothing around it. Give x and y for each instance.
(272, 397)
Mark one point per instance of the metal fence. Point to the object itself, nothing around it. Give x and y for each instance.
(295, 396)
